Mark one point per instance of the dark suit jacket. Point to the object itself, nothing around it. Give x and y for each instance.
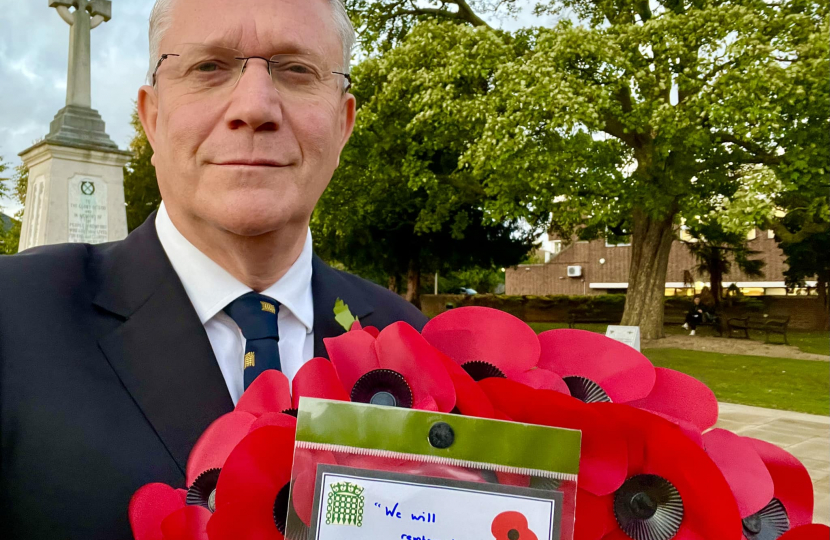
(107, 378)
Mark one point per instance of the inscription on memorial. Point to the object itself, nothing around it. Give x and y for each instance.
(88, 220)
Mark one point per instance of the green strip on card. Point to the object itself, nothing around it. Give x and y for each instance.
(393, 429)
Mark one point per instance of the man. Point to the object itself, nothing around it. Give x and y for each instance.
(114, 358)
(696, 316)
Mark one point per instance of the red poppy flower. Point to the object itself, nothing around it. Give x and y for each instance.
(317, 379)
(680, 398)
(807, 532)
(511, 526)
(603, 465)
(397, 368)
(487, 342)
(673, 488)
(159, 512)
(743, 469)
(267, 401)
(791, 503)
(594, 516)
(253, 488)
(596, 368)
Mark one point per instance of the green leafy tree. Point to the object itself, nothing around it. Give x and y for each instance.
(400, 205)
(808, 260)
(803, 234)
(14, 187)
(141, 190)
(717, 251)
(629, 115)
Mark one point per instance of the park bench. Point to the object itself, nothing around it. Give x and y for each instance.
(768, 325)
(678, 317)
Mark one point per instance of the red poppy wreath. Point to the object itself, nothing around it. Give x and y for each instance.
(652, 467)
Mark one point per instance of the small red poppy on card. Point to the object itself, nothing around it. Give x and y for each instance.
(511, 526)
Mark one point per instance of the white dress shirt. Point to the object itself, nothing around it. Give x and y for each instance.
(211, 288)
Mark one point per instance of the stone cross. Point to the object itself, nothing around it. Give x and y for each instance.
(87, 15)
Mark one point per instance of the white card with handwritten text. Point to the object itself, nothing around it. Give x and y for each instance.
(354, 504)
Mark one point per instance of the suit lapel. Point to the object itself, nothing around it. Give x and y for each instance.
(160, 351)
(327, 285)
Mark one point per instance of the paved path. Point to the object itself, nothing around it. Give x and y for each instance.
(731, 346)
(806, 436)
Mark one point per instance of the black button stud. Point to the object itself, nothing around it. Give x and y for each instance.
(513, 534)
(441, 435)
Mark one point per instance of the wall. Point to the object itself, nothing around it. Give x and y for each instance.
(805, 313)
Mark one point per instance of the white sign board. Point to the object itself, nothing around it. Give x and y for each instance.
(630, 335)
(88, 219)
(359, 504)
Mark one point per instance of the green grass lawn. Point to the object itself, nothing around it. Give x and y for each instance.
(776, 383)
(809, 342)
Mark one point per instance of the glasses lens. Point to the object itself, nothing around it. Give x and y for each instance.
(202, 67)
(300, 76)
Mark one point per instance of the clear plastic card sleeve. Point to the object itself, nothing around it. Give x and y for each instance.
(372, 472)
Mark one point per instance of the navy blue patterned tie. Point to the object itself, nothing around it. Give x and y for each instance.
(256, 316)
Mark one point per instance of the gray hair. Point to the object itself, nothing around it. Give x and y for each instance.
(161, 18)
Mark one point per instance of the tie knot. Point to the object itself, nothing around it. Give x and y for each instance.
(256, 315)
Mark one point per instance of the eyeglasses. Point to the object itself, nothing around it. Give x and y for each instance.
(204, 68)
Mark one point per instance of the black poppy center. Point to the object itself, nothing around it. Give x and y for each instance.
(383, 398)
(584, 389)
(648, 507)
(642, 506)
(513, 534)
(753, 524)
(383, 387)
(480, 370)
(281, 508)
(203, 490)
(768, 523)
(291, 412)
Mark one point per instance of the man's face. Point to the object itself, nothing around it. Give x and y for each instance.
(248, 159)
(697, 301)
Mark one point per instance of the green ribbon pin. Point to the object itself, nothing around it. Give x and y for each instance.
(342, 315)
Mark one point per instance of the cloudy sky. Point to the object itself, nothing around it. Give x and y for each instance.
(34, 43)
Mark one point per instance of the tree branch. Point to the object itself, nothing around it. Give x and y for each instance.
(465, 13)
(793, 238)
(758, 154)
(468, 14)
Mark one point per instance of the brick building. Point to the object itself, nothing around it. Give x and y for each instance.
(596, 267)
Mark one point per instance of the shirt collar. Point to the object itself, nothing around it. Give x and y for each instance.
(210, 287)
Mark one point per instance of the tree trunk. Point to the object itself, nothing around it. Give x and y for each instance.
(716, 276)
(393, 284)
(413, 282)
(822, 296)
(651, 243)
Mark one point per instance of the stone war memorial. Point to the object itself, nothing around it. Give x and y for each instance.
(76, 180)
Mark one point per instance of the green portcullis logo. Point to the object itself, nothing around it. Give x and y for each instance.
(345, 504)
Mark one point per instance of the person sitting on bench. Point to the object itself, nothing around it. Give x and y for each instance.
(698, 314)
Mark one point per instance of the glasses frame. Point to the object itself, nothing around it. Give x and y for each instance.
(268, 62)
